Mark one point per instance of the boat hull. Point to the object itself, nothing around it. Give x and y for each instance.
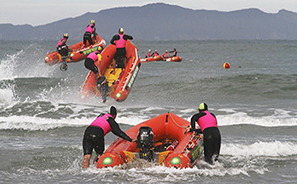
(166, 126)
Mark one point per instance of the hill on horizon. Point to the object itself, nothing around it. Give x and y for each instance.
(159, 21)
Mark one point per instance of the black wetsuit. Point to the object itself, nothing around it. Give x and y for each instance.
(90, 64)
(120, 51)
(63, 50)
(211, 138)
(94, 137)
(88, 36)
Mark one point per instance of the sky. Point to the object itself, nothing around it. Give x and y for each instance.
(40, 12)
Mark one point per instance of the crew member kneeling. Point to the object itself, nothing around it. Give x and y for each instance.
(62, 47)
(211, 134)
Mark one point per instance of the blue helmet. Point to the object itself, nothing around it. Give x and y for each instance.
(121, 30)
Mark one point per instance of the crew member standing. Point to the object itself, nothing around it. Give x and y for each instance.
(211, 134)
(119, 40)
(88, 34)
(95, 132)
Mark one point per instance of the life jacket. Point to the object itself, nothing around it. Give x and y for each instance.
(174, 53)
(121, 43)
(60, 42)
(207, 121)
(166, 55)
(148, 55)
(155, 54)
(94, 56)
(90, 29)
(102, 123)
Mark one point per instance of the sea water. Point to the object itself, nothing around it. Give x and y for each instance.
(42, 120)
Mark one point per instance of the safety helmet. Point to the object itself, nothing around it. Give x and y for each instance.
(92, 21)
(112, 110)
(121, 30)
(66, 35)
(203, 107)
(99, 48)
(149, 50)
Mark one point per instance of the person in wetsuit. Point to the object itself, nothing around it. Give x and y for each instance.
(156, 53)
(148, 53)
(174, 52)
(90, 61)
(165, 55)
(95, 132)
(211, 134)
(119, 40)
(62, 47)
(88, 34)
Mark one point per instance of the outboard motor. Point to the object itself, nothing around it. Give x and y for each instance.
(145, 142)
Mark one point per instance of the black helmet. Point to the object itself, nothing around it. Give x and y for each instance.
(203, 107)
(112, 110)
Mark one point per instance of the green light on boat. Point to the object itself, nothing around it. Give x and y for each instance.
(175, 161)
(118, 95)
(72, 54)
(107, 161)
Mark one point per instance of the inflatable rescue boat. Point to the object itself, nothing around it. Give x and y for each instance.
(77, 53)
(153, 58)
(161, 139)
(173, 59)
(120, 83)
(159, 58)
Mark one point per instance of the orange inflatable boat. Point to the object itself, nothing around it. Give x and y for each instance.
(119, 83)
(77, 53)
(153, 58)
(173, 59)
(161, 139)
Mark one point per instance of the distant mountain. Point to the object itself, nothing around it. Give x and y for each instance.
(161, 21)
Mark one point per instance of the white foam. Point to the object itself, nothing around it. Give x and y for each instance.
(43, 124)
(7, 66)
(6, 96)
(273, 149)
(240, 118)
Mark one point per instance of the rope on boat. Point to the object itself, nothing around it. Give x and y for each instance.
(176, 122)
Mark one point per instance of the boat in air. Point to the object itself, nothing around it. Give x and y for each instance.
(120, 83)
(77, 53)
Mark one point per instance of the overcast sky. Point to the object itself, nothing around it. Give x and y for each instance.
(40, 12)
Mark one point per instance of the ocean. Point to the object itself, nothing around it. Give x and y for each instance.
(42, 120)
